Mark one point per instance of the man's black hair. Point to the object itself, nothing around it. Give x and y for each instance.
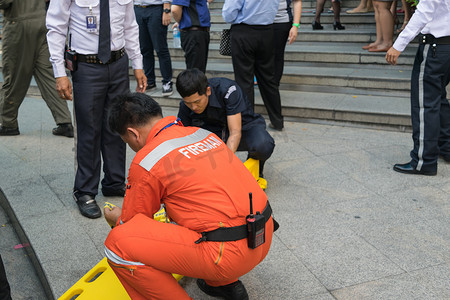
(191, 81)
(134, 109)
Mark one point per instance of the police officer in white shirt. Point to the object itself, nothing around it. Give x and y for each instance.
(430, 109)
(103, 35)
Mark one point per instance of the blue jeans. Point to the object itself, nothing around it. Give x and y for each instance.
(153, 36)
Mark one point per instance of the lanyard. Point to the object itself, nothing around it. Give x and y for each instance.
(177, 122)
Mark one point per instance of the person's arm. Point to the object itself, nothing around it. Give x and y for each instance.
(143, 195)
(235, 129)
(297, 8)
(231, 9)
(421, 17)
(166, 17)
(57, 22)
(131, 35)
(177, 12)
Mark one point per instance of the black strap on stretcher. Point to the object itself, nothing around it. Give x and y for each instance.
(229, 234)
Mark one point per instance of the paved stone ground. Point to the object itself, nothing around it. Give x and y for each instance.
(22, 277)
(351, 228)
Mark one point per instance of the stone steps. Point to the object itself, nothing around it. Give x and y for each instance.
(327, 76)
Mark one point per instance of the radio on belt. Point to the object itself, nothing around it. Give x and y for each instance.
(256, 227)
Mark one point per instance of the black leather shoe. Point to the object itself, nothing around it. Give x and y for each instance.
(446, 158)
(9, 130)
(232, 291)
(113, 193)
(87, 205)
(408, 169)
(65, 129)
(275, 127)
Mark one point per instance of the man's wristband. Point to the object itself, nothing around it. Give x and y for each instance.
(296, 25)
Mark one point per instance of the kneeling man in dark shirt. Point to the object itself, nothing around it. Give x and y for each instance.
(220, 106)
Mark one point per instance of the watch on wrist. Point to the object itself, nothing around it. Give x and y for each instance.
(166, 10)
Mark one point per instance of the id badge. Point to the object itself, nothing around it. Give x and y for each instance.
(91, 23)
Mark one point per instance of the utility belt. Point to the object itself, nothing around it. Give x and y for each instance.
(93, 58)
(196, 28)
(430, 39)
(254, 230)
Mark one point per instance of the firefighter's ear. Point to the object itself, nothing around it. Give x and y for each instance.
(133, 133)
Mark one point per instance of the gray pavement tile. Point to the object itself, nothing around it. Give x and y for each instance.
(282, 276)
(56, 235)
(328, 145)
(337, 188)
(369, 138)
(21, 276)
(20, 273)
(335, 255)
(373, 213)
(412, 246)
(357, 162)
(391, 181)
(425, 200)
(399, 287)
(306, 169)
(326, 296)
(33, 197)
(435, 279)
(392, 153)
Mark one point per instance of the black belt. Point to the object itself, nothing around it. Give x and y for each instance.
(430, 39)
(228, 234)
(145, 6)
(93, 58)
(196, 28)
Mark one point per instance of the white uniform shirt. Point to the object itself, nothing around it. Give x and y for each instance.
(71, 14)
(431, 17)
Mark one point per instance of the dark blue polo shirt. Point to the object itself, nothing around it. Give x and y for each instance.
(195, 13)
(226, 99)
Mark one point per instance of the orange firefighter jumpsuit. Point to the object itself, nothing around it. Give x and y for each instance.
(203, 186)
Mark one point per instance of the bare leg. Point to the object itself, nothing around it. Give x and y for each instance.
(407, 9)
(379, 39)
(363, 7)
(387, 26)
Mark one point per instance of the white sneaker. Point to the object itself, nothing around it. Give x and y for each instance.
(167, 89)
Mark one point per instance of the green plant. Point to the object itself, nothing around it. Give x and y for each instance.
(413, 2)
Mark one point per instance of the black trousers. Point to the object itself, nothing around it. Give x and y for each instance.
(195, 45)
(253, 55)
(281, 35)
(430, 109)
(5, 290)
(259, 144)
(94, 87)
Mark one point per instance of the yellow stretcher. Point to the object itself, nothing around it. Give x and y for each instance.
(253, 166)
(101, 283)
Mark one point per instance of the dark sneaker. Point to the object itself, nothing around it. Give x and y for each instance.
(87, 205)
(151, 87)
(232, 291)
(63, 130)
(9, 130)
(167, 89)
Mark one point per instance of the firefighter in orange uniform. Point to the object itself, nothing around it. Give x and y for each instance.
(205, 190)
